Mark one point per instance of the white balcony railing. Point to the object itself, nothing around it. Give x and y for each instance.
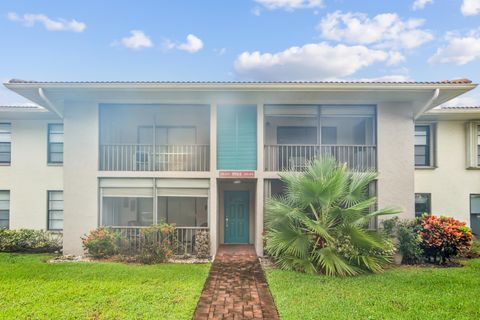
(146, 157)
(296, 157)
(183, 240)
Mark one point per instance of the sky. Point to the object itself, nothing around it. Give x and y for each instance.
(240, 40)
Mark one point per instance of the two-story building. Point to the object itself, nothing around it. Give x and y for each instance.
(202, 155)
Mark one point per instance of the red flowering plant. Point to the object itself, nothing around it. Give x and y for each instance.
(157, 243)
(443, 238)
(101, 242)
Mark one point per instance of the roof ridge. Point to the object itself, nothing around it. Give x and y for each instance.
(456, 81)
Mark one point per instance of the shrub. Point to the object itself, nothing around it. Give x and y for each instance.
(202, 244)
(27, 240)
(101, 242)
(321, 223)
(157, 243)
(409, 242)
(443, 238)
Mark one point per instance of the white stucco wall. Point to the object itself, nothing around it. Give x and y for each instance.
(80, 173)
(450, 183)
(395, 145)
(29, 177)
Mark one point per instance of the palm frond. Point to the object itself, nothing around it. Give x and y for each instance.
(333, 264)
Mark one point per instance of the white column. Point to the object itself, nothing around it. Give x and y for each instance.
(259, 199)
(213, 202)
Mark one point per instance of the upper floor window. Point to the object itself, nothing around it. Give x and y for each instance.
(473, 144)
(423, 202)
(55, 210)
(478, 145)
(4, 209)
(423, 147)
(5, 143)
(55, 143)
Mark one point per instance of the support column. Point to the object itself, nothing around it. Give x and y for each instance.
(213, 200)
(259, 204)
(259, 199)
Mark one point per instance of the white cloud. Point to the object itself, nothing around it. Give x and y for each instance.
(383, 30)
(467, 100)
(220, 51)
(137, 40)
(289, 5)
(193, 44)
(60, 24)
(315, 61)
(470, 7)
(420, 4)
(388, 78)
(459, 50)
(395, 58)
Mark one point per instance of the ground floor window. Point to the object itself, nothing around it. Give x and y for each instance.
(4, 209)
(143, 202)
(475, 213)
(423, 203)
(55, 210)
(183, 211)
(127, 211)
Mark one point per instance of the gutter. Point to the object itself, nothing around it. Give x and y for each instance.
(47, 101)
(428, 105)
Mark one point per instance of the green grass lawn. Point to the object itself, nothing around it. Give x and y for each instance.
(33, 289)
(399, 293)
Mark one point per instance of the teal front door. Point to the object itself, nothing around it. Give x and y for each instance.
(236, 216)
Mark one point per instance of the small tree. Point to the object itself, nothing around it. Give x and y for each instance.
(320, 225)
(101, 242)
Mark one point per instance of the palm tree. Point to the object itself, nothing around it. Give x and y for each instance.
(320, 225)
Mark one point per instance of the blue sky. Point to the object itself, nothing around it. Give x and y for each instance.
(240, 40)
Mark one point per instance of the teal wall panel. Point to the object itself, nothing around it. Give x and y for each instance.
(237, 138)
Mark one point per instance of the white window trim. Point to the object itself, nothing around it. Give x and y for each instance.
(472, 145)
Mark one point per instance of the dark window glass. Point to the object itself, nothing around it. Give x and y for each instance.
(5, 142)
(55, 143)
(422, 146)
(297, 135)
(55, 210)
(422, 204)
(4, 209)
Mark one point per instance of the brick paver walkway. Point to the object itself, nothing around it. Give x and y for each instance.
(236, 287)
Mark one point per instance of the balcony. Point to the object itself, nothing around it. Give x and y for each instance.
(297, 134)
(297, 157)
(146, 157)
(153, 137)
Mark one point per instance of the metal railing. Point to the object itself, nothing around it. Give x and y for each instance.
(146, 157)
(131, 239)
(297, 157)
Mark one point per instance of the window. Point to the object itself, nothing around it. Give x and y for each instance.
(475, 214)
(5, 143)
(478, 145)
(422, 146)
(55, 143)
(55, 210)
(297, 135)
(183, 211)
(128, 211)
(422, 204)
(4, 209)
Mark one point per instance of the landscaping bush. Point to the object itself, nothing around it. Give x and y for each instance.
(443, 238)
(320, 226)
(101, 242)
(202, 245)
(409, 242)
(158, 242)
(27, 240)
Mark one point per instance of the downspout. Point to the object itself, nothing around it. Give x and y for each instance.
(47, 101)
(427, 106)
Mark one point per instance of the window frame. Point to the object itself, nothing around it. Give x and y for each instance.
(49, 210)
(429, 203)
(8, 210)
(50, 143)
(430, 147)
(9, 162)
